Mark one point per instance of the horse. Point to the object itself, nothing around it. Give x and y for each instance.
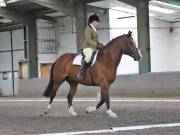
(102, 73)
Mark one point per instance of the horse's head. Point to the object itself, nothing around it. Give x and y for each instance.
(130, 48)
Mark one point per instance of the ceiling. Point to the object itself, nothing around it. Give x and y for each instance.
(122, 7)
(40, 11)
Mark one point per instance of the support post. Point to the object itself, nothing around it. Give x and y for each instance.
(143, 35)
(32, 49)
(80, 24)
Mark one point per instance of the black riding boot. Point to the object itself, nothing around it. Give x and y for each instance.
(82, 69)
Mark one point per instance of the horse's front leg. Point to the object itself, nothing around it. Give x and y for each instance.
(95, 108)
(105, 98)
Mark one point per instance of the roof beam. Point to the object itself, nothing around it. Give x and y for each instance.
(129, 2)
(12, 1)
(175, 2)
(15, 16)
(11, 27)
(57, 5)
(47, 18)
(43, 12)
(95, 9)
(90, 1)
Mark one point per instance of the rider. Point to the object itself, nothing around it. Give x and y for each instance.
(91, 43)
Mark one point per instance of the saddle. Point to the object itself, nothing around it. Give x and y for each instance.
(78, 58)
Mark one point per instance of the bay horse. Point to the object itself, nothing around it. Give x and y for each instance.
(102, 73)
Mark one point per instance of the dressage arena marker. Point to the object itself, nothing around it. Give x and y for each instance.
(90, 100)
(116, 129)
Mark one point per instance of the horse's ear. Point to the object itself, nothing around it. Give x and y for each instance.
(129, 33)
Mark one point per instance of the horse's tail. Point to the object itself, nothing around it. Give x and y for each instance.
(47, 92)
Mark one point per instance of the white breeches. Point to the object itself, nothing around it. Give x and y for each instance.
(88, 54)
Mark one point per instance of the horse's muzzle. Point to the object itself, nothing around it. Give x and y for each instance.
(137, 55)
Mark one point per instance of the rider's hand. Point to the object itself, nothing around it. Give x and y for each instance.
(100, 46)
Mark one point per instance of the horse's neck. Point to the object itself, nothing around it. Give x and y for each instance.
(113, 54)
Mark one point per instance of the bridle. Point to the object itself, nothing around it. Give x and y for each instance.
(126, 47)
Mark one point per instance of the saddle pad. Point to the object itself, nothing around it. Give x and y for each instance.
(78, 58)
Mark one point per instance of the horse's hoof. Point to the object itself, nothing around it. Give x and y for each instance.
(72, 112)
(111, 114)
(91, 109)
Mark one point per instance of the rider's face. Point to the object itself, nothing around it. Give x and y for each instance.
(95, 24)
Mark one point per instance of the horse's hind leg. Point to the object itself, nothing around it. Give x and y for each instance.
(72, 91)
(53, 94)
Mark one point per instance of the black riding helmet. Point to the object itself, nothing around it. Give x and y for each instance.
(93, 18)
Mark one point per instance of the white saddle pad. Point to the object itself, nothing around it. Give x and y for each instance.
(78, 58)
